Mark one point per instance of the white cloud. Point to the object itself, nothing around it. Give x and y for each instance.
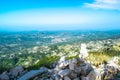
(104, 4)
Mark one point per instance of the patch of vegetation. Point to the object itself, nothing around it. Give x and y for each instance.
(71, 57)
(46, 61)
(97, 58)
(6, 65)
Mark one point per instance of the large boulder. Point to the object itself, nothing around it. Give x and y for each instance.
(97, 74)
(63, 73)
(76, 79)
(4, 76)
(73, 75)
(85, 68)
(43, 69)
(66, 78)
(15, 72)
(31, 74)
(92, 75)
(56, 77)
(78, 70)
(62, 65)
(72, 66)
(84, 78)
(34, 73)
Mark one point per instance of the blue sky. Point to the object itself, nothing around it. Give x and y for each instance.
(20, 15)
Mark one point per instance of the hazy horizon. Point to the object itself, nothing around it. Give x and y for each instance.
(45, 15)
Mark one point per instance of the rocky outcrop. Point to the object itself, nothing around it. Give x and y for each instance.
(79, 69)
(4, 76)
(73, 69)
(13, 74)
(16, 71)
(83, 51)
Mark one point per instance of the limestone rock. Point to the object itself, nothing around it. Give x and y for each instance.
(63, 64)
(76, 79)
(74, 61)
(56, 77)
(114, 60)
(84, 78)
(43, 69)
(71, 66)
(66, 78)
(92, 75)
(73, 75)
(96, 74)
(73, 69)
(63, 73)
(83, 72)
(30, 74)
(78, 70)
(4, 76)
(16, 71)
(63, 58)
(83, 51)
